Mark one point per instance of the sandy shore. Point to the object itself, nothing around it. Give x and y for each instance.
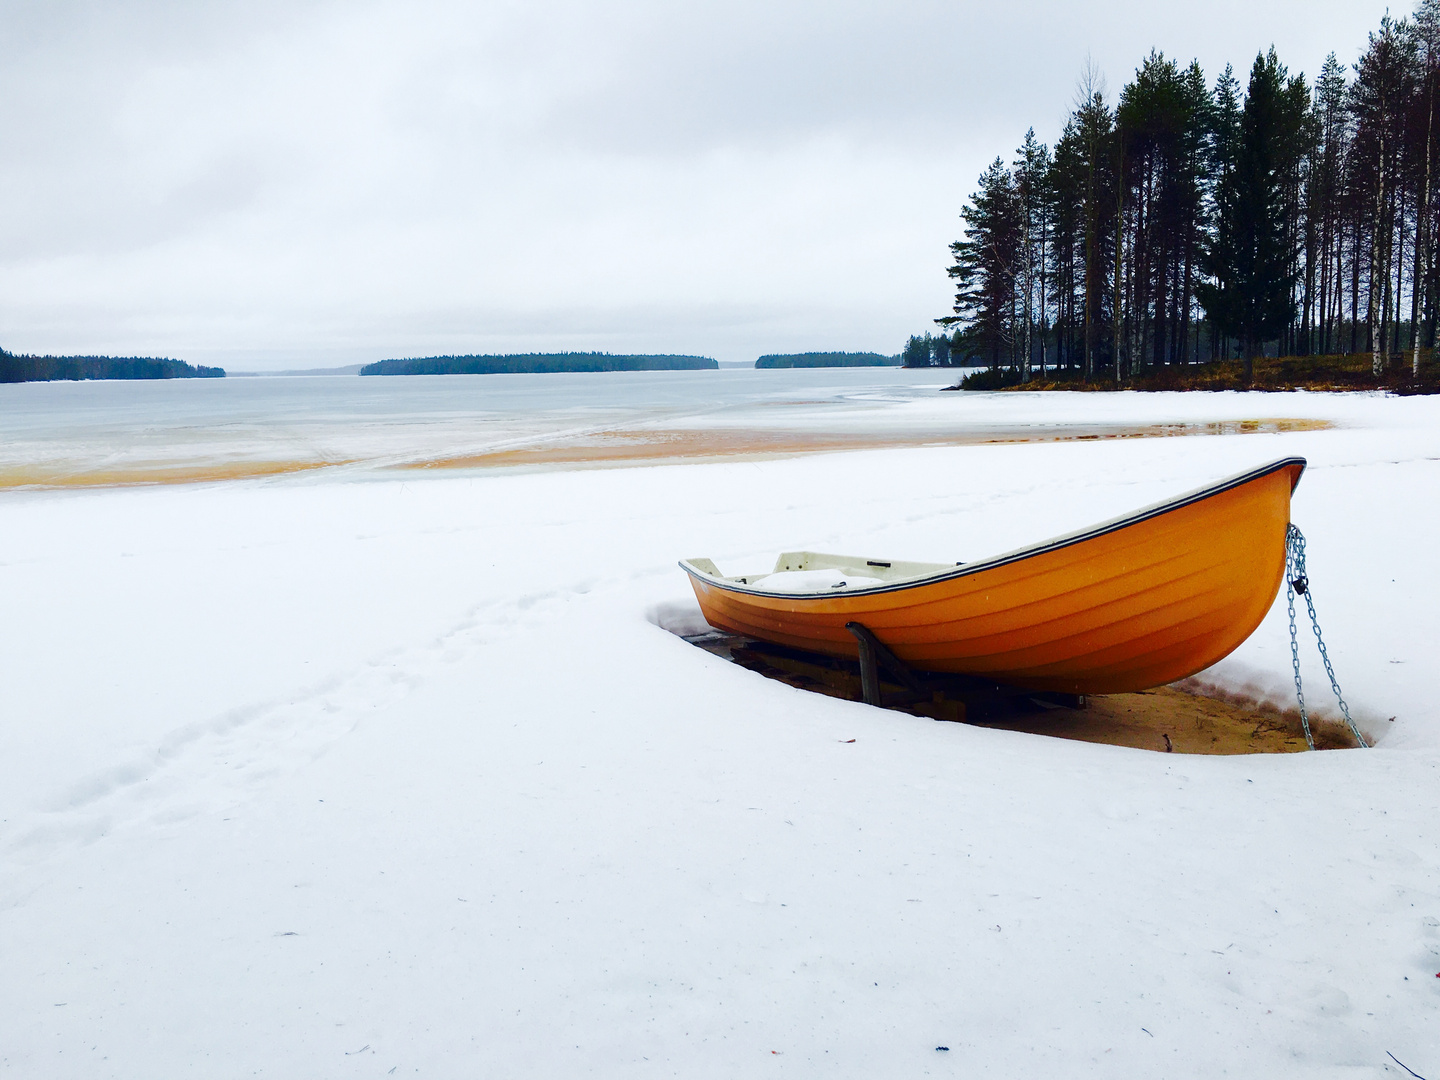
(631, 446)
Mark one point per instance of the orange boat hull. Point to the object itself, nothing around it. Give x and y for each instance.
(1135, 603)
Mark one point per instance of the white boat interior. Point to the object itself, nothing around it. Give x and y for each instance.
(816, 572)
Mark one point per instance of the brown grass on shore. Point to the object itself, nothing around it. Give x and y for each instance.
(1333, 373)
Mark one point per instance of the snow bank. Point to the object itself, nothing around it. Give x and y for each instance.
(323, 779)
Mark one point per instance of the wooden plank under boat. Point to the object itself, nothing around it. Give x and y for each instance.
(1132, 603)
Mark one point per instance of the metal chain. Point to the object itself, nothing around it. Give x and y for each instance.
(1292, 576)
(1296, 581)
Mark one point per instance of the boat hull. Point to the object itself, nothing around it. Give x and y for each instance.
(1135, 603)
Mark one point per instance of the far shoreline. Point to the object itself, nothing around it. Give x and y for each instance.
(1353, 373)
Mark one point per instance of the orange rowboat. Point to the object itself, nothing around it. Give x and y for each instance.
(1132, 603)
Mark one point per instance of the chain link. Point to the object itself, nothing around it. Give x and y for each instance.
(1292, 576)
(1296, 581)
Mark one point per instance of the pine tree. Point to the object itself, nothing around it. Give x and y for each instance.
(1163, 129)
(1225, 148)
(1094, 124)
(1326, 199)
(1065, 190)
(1379, 97)
(985, 266)
(1427, 40)
(1251, 257)
(1194, 168)
(916, 352)
(1032, 166)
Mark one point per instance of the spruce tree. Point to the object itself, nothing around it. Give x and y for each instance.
(1225, 118)
(1032, 166)
(1252, 298)
(985, 267)
(1427, 38)
(1326, 191)
(1379, 100)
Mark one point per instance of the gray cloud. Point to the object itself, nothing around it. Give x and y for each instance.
(267, 184)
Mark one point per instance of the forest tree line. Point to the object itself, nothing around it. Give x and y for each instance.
(824, 359)
(25, 368)
(520, 363)
(1190, 221)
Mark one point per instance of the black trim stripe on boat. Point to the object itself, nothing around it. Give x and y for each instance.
(1055, 544)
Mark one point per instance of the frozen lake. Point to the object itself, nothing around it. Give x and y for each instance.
(143, 430)
(76, 408)
(107, 433)
(335, 410)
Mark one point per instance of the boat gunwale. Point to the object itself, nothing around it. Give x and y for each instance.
(1057, 543)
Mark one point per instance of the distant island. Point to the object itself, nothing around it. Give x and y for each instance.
(348, 369)
(525, 363)
(826, 359)
(24, 368)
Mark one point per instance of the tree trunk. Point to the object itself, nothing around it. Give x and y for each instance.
(1044, 329)
(1422, 238)
(1119, 250)
(1185, 300)
(1376, 344)
(1306, 343)
(1397, 253)
(1138, 342)
(1089, 268)
(1029, 298)
(1323, 328)
(1355, 284)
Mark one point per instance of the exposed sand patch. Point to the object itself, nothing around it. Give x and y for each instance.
(1193, 723)
(145, 473)
(622, 447)
(1168, 719)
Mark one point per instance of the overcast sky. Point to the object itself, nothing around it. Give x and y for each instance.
(298, 185)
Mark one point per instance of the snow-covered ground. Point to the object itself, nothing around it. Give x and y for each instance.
(333, 776)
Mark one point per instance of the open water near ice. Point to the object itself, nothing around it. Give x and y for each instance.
(338, 418)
